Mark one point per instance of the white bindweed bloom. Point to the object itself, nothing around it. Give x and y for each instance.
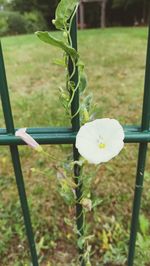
(28, 139)
(100, 140)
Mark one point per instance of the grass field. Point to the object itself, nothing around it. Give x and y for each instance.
(115, 65)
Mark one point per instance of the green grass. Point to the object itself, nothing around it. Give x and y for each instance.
(115, 65)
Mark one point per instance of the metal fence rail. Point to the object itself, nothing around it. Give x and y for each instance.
(133, 134)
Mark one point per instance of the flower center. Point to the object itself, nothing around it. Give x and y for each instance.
(102, 145)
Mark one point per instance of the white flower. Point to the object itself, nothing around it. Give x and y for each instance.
(100, 140)
(28, 139)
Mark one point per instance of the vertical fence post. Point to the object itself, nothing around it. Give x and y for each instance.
(16, 160)
(141, 160)
(75, 126)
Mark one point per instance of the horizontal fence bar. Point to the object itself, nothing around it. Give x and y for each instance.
(43, 138)
(133, 134)
(46, 130)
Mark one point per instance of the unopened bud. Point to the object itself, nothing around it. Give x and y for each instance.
(65, 34)
(87, 204)
(33, 170)
(86, 115)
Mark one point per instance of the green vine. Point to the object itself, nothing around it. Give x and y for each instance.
(64, 16)
(75, 191)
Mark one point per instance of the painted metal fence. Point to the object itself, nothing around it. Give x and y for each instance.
(133, 134)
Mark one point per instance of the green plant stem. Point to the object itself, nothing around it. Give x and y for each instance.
(71, 20)
(74, 70)
(79, 207)
(73, 92)
(74, 76)
(76, 112)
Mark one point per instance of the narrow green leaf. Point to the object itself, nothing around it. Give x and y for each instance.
(87, 101)
(47, 38)
(63, 12)
(83, 82)
(59, 62)
(96, 202)
(81, 242)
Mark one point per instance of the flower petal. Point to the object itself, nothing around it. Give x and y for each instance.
(106, 130)
(28, 139)
(109, 127)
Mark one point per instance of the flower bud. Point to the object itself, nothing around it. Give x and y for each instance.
(33, 170)
(65, 35)
(87, 204)
(86, 115)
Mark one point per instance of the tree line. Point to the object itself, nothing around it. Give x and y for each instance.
(117, 12)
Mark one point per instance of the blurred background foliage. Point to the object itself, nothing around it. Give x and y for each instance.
(20, 16)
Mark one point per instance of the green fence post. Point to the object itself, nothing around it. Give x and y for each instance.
(141, 160)
(75, 126)
(15, 159)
